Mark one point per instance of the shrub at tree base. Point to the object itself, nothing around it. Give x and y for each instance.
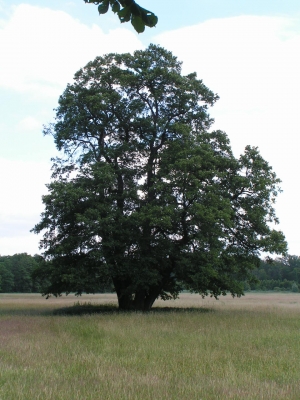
(145, 197)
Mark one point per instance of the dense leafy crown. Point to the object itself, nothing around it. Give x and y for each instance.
(146, 197)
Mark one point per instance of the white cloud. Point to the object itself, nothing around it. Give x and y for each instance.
(22, 186)
(253, 63)
(27, 243)
(28, 124)
(41, 49)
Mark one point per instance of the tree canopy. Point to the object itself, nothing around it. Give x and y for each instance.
(145, 196)
(127, 10)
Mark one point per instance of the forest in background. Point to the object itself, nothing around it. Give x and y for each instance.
(281, 274)
(17, 274)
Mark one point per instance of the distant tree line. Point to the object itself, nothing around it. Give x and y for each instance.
(281, 274)
(16, 273)
(21, 273)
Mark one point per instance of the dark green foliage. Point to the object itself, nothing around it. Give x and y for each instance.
(127, 10)
(287, 267)
(146, 197)
(279, 274)
(295, 288)
(22, 273)
(16, 273)
(271, 284)
(7, 278)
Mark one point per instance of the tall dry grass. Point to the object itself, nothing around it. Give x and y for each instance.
(246, 348)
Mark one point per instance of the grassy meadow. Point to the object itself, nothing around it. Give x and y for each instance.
(191, 348)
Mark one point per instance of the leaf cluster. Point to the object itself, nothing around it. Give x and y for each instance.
(128, 10)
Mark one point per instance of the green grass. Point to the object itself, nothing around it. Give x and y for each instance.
(238, 349)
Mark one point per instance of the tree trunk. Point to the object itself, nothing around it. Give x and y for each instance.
(149, 301)
(125, 302)
(124, 298)
(141, 301)
(150, 298)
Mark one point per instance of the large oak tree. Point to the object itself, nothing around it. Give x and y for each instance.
(146, 197)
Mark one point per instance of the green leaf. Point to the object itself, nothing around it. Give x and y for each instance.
(147, 16)
(140, 17)
(151, 20)
(103, 8)
(115, 7)
(138, 24)
(124, 14)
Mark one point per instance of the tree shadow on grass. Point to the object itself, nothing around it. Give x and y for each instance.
(89, 309)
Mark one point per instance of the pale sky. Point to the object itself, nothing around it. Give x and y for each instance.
(246, 51)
